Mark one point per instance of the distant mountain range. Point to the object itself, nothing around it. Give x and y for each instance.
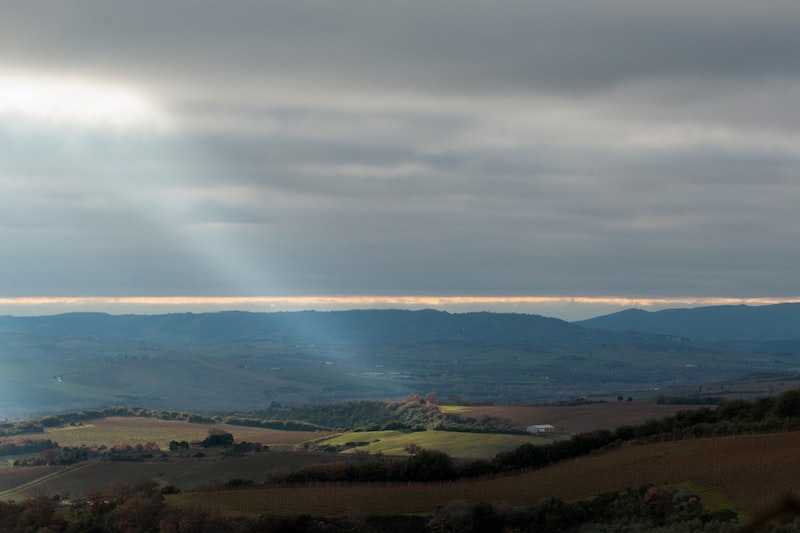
(355, 327)
(740, 323)
(309, 326)
(713, 323)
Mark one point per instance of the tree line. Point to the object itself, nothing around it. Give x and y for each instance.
(141, 507)
(731, 417)
(53, 454)
(413, 413)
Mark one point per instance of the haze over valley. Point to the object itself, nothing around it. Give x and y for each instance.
(241, 360)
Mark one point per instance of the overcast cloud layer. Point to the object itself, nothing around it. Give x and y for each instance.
(582, 148)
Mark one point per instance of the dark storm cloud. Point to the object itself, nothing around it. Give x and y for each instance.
(590, 147)
(578, 44)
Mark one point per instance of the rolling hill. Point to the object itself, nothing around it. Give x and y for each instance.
(239, 360)
(769, 328)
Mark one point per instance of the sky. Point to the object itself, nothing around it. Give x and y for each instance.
(565, 158)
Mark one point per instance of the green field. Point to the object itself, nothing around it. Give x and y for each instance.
(455, 444)
(453, 408)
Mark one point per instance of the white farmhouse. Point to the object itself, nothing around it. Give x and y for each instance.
(541, 428)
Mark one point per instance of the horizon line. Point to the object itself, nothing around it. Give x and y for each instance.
(382, 300)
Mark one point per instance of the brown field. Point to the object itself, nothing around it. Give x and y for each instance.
(578, 418)
(188, 473)
(744, 472)
(137, 430)
(185, 473)
(15, 477)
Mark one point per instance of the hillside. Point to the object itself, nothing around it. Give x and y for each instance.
(80, 429)
(238, 360)
(695, 470)
(725, 471)
(658, 486)
(754, 324)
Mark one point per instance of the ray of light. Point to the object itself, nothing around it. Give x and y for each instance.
(156, 197)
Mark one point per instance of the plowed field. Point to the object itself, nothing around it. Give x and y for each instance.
(576, 418)
(749, 472)
(136, 430)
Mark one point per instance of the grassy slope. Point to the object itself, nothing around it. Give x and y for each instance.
(456, 444)
(743, 472)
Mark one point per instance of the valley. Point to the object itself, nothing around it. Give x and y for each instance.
(233, 360)
(417, 417)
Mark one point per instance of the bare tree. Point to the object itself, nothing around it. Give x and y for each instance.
(432, 398)
(413, 398)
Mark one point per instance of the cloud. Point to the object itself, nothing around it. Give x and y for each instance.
(582, 148)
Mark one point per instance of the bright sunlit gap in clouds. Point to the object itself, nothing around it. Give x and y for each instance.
(564, 307)
(75, 100)
(158, 199)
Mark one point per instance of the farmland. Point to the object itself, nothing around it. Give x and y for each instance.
(454, 443)
(575, 477)
(189, 473)
(727, 471)
(183, 471)
(137, 430)
(572, 418)
(78, 480)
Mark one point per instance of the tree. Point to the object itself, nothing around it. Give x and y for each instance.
(788, 404)
(413, 398)
(412, 448)
(137, 513)
(51, 457)
(217, 437)
(454, 517)
(40, 513)
(175, 445)
(194, 519)
(432, 398)
(427, 465)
